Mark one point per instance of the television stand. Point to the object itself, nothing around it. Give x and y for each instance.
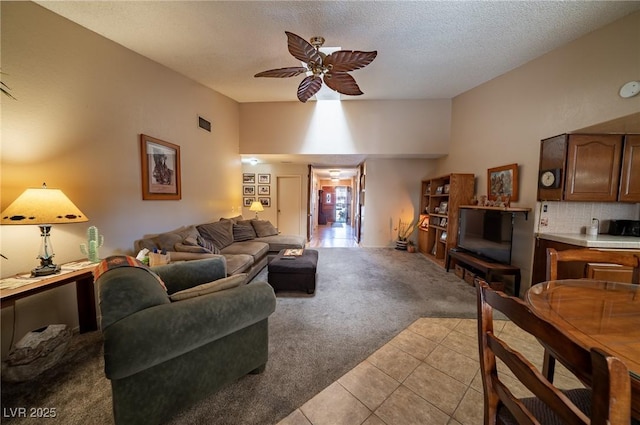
(486, 268)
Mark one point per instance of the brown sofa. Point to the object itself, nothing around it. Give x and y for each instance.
(246, 245)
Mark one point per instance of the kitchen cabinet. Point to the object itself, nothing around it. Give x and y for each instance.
(590, 167)
(593, 167)
(630, 176)
(439, 204)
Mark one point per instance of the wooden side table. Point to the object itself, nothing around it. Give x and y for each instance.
(85, 291)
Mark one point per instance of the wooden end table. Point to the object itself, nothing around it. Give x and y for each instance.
(85, 291)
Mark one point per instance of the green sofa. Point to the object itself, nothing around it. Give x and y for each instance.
(163, 355)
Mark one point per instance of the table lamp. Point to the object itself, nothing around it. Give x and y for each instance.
(257, 207)
(43, 207)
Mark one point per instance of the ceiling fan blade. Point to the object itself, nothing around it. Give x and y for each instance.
(342, 83)
(349, 60)
(308, 87)
(282, 72)
(302, 50)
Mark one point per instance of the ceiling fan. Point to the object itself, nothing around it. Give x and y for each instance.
(333, 68)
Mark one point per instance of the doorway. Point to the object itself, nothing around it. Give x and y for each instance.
(333, 209)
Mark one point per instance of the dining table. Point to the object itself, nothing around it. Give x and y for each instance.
(595, 313)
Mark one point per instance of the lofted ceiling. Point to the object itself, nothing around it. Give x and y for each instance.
(426, 49)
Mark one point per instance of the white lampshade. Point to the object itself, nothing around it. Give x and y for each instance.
(256, 206)
(42, 206)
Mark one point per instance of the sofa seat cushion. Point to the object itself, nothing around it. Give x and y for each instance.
(255, 249)
(238, 263)
(279, 242)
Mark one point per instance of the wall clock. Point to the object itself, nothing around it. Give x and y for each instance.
(550, 179)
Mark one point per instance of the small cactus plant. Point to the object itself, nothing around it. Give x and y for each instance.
(94, 242)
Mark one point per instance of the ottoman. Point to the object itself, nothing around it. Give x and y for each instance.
(294, 272)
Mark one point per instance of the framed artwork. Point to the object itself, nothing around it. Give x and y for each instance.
(248, 178)
(248, 200)
(442, 208)
(443, 236)
(160, 162)
(446, 188)
(266, 202)
(264, 178)
(503, 181)
(439, 190)
(264, 190)
(248, 190)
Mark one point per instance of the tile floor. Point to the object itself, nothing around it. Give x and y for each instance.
(428, 374)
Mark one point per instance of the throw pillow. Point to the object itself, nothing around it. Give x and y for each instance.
(264, 228)
(234, 219)
(243, 233)
(208, 245)
(219, 233)
(208, 288)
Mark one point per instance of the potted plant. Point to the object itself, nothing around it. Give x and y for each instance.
(411, 247)
(405, 229)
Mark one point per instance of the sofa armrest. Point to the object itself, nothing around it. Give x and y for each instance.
(160, 333)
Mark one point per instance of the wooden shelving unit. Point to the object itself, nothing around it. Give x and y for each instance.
(440, 200)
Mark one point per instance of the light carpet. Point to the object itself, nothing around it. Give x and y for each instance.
(364, 297)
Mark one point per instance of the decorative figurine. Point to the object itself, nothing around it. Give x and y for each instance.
(94, 242)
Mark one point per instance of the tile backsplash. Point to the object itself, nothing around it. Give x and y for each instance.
(575, 217)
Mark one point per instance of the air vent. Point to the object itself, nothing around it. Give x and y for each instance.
(204, 124)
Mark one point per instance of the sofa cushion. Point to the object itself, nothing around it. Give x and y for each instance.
(182, 247)
(280, 242)
(233, 219)
(257, 250)
(219, 233)
(264, 228)
(167, 241)
(208, 288)
(238, 263)
(243, 233)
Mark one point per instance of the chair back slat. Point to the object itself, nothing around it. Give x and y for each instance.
(592, 256)
(610, 398)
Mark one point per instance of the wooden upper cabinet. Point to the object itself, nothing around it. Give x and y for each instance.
(593, 167)
(630, 176)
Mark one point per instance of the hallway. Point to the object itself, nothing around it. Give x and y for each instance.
(336, 235)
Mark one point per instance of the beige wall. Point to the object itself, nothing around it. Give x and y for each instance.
(82, 102)
(416, 127)
(279, 170)
(502, 122)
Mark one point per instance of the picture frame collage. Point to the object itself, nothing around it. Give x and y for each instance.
(256, 187)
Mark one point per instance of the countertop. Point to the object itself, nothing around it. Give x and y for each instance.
(599, 241)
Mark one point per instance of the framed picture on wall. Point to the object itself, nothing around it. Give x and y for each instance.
(248, 190)
(264, 178)
(264, 190)
(160, 163)
(503, 181)
(248, 200)
(266, 202)
(248, 178)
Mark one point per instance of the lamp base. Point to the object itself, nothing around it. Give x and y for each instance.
(45, 268)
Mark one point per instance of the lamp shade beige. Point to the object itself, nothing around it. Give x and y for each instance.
(42, 206)
(256, 206)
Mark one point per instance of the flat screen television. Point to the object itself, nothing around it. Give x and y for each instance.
(486, 233)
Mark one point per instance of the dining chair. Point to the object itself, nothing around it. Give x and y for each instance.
(607, 402)
(585, 255)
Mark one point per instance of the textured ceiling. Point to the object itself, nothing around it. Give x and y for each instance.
(426, 49)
